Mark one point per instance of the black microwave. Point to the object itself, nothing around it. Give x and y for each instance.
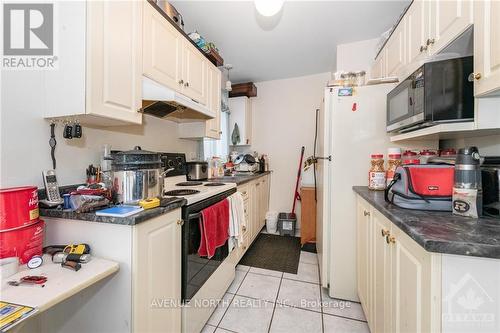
(437, 92)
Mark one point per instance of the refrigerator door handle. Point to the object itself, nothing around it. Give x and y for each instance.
(329, 158)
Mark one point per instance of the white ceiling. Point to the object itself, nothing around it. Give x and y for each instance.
(300, 40)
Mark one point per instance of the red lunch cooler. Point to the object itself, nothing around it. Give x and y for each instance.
(21, 230)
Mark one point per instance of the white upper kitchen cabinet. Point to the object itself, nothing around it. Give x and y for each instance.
(395, 48)
(417, 23)
(379, 68)
(194, 73)
(486, 47)
(211, 127)
(100, 63)
(449, 18)
(162, 50)
(241, 115)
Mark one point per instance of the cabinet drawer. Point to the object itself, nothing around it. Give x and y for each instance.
(244, 192)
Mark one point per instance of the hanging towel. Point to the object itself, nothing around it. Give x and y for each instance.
(214, 227)
(236, 216)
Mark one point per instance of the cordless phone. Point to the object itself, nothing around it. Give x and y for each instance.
(51, 189)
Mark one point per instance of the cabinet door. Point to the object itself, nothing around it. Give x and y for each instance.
(417, 22)
(114, 60)
(364, 254)
(381, 274)
(162, 49)
(194, 73)
(379, 68)
(214, 96)
(486, 46)
(416, 283)
(449, 18)
(156, 266)
(396, 53)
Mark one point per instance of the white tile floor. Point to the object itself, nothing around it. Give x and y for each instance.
(261, 300)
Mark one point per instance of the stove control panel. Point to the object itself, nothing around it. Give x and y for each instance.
(175, 161)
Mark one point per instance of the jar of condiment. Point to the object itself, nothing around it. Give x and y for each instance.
(410, 157)
(376, 175)
(425, 155)
(393, 161)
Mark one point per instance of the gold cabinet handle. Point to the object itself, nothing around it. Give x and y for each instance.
(474, 76)
(365, 213)
(430, 41)
(385, 233)
(244, 228)
(186, 84)
(180, 222)
(423, 48)
(181, 81)
(390, 239)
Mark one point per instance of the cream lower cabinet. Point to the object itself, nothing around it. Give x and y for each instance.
(156, 274)
(486, 47)
(256, 200)
(399, 283)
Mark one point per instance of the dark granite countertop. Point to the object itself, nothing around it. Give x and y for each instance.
(240, 179)
(130, 220)
(440, 232)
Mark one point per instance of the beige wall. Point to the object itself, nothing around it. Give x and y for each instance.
(284, 120)
(356, 56)
(24, 137)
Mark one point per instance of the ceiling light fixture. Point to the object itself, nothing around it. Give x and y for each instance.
(268, 7)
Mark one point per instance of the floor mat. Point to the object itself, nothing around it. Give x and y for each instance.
(277, 253)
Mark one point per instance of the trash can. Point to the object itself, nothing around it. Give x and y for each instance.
(286, 224)
(271, 222)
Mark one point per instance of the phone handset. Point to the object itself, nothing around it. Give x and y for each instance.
(51, 189)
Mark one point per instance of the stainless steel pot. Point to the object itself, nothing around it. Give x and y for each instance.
(137, 175)
(131, 186)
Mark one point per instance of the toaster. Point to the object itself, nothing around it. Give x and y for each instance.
(197, 170)
(490, 178)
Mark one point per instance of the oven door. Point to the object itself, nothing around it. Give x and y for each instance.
(197, 270)
(401, 106)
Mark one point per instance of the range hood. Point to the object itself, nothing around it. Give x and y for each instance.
(162, 102)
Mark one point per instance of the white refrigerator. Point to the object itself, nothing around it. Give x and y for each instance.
(349, 130)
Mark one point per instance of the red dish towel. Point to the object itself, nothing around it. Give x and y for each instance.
(214, 227)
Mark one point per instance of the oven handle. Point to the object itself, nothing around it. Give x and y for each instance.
(194, 216)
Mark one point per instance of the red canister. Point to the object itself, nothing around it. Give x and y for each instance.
(18, 207)
(22, 242)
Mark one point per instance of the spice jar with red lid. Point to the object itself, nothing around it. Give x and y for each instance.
(426, 154)
(410, 157)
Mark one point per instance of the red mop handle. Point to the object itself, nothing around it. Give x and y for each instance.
(296, 194)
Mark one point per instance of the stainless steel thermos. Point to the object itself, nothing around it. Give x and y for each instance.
(467, 188)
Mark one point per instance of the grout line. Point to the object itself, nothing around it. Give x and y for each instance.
(315, 283)
(275, 302)
(267, 274)
(231, 302)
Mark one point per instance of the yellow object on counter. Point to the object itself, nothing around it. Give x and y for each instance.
(149, 203)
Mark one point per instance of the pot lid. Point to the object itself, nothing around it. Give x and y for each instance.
(137, 156)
